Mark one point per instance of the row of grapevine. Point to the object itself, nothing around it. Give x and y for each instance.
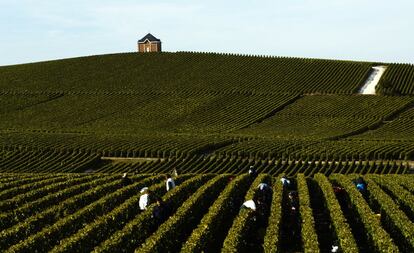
(394, 219)
(244, 226)
(397, 129)
(334, 116)
(398, 79)
(110, 145)
(179, 225)
(208, 235)
(221, 163)
(173, 112)
(100, 229)
(135, 232)
(49, 236)
(379, 239)
(186, 70)
(204, 216)
(33, 221)
(48, 161)
(51, 187)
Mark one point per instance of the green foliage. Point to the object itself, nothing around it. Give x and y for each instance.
(183, 221)
(342, 229)
(51, 235)
(379, 239)
(214, 222)
(398, 79)
(143, 225)
(394, 218)
(100, 214)
(244, 224)
(308, 232)
(189, 71)
(101, 228)
(271, 239)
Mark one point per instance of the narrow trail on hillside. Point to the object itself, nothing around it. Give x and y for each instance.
(273, 112)
(372, 81)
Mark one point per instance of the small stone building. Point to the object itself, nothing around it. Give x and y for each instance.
(149, 44)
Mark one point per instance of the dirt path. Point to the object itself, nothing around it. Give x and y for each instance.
(372, 81)
(130, 159)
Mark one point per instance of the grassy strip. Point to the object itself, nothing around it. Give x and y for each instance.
(343, 232)
(101, 228)
(136, 231)
(222, 209)
(169, 236)
(392, 216)
(309, 236)
(379, 239)
(244, 223)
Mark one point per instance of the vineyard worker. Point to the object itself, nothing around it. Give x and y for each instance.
(264, 187)
(144, 198)
(170, 184)
(285, 181)
(160, 210)
(249, 204)
(252, 171)
(293, 200)
(361, 185)
(125, 179)
(265, 192)
(335, 248)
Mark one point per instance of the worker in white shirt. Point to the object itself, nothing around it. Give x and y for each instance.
(170, 184)
(249, 204)
(144, 199)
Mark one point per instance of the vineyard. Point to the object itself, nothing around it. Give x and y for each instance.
(53, 162)
(70, 128)
(98, 212)
(133, 72)
(184, 104)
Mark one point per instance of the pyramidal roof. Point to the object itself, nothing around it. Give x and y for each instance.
(150, 38)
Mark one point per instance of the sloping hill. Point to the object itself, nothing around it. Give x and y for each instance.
(185, 104)
(185, 71)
